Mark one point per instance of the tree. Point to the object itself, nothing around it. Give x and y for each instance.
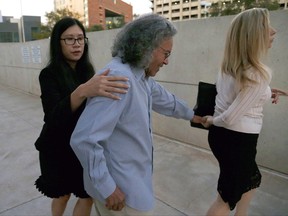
(44, 33)
(269, 4)
(95, 28)
(224, 8)
(115, 22)
(52, 18)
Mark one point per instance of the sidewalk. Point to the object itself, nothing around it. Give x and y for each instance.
(185, 177)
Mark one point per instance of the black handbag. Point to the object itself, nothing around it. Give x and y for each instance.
(205, 102)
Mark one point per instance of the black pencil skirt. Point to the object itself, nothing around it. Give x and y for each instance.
(236, 153)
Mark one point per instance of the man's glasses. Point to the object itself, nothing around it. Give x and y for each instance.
(167, 53)
(72, 41)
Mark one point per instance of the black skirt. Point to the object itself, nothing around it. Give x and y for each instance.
(236, 153)
(61, 174)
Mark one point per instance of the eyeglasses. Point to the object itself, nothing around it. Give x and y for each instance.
(72, 41)
(167, 53)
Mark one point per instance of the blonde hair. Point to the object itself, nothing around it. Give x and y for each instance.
(247, 41)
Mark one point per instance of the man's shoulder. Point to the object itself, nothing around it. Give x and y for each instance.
(117, 68)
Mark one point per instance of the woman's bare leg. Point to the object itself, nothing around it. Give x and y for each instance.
(219, 208)
(83, 207)
(58, 205)
(243, 205)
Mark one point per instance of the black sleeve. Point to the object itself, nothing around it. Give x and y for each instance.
(55, 96)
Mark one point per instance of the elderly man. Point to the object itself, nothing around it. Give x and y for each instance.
(113, 138)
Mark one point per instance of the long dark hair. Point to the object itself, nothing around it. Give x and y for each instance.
(84, 68)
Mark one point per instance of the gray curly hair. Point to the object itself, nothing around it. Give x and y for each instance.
(136, 41)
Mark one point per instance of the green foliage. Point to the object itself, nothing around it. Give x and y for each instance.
(224, 8)
(269, 4)
(95, 28)
(115, 22)
(44, 33)
(52, 18)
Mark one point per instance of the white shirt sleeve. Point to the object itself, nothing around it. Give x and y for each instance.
(246, 99)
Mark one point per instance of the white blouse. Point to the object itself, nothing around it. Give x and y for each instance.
(241, 109)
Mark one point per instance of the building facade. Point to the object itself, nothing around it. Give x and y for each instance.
(19, 30)
(177, 10)
(29, 26)
(103, 12)
(9, 31)
(98, 12)
(283, 4)
(71, 5)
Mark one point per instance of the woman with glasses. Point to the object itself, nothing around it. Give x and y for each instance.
(66, 82)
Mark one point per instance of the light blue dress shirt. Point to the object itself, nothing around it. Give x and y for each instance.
(113, 138)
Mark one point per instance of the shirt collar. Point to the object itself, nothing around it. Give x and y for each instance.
(138, 72)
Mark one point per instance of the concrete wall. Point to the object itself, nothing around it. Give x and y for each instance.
(196, 55)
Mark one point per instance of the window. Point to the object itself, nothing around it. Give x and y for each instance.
(175, 2)
(9, 37)
(175, 18)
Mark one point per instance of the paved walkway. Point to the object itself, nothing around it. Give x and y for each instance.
(185, 177)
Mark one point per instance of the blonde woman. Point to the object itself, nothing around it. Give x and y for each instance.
(243, 88)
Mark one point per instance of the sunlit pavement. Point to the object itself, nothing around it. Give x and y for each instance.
(185, 177)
